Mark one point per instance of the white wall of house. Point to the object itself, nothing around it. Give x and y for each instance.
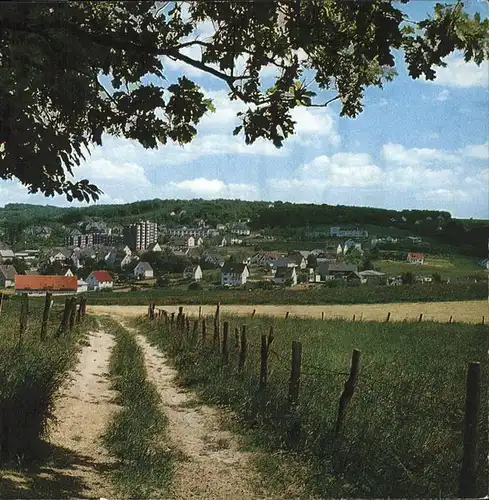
(141, 272)
(94, 284)
(233, 279)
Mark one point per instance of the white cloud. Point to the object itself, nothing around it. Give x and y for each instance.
(479, 151)
(397, 153)
(442, 96)
(106, 170)
(342, 170)
(214, 188)
(460, 74)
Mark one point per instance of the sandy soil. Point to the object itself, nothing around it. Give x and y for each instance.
(214, 467)
(82, 410)
(462, 311)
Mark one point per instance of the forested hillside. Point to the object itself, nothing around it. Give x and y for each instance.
(469, 235)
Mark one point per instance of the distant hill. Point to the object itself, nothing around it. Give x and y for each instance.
(471, 235)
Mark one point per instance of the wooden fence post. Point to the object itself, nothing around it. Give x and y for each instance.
(388, 317)
(225, 345)
(286, 314)
(194, 331)
(1, 302)
(45, 315)
(78, 313)
(172, 321)
(187, 325)
(420, 317)
(253, 313)
(66, 314)
(483, 320)
(353, 318)
(24, 311)
(467, 484)
(216, 324)
(72, 313)
(242, 349)
(295, 372)
(84, 307)
(263, 362)
(450, 320)
(179, 319)
(200, 312)
(322, 315)
(236, 338)
(348, 390)
(204, 330)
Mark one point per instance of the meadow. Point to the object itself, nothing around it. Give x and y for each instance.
(403, 433)
(31, 372)
(341, 294)
(453, 268)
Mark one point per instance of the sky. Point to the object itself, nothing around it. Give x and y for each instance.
(417, 144)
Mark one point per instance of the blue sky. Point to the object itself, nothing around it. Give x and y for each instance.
(417, 144)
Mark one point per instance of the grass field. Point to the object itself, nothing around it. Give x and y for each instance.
(31, 371)
(364, 294)
(455, 267)
(403, 431)
(461, 312)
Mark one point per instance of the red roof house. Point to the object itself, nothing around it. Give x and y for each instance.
(98, 280)
(415, 258)
(38, 285)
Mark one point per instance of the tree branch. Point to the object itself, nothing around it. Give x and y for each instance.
(324, 104)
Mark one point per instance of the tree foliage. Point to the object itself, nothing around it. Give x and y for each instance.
(71, 72)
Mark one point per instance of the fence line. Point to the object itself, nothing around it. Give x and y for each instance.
(467, 482)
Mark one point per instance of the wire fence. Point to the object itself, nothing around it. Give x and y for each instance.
(241, 345)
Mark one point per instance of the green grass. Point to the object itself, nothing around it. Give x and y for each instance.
(136, 433)
(447, 267)
(365, 294)
(31, 372)
(403, 432)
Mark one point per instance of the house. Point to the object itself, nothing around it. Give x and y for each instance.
(352, 245)
(485, 263)
(213, 258)
(284, 275)
(7, 276)
(265, 258)
(185, 242)
(39, 285)
(234, 274)
(192, 273)
(337, 232)
(230, 239)
(299, 259)
(181, 253)
(415, 258)
(6, 254)
(154, 247)
(99, 280)
(285, 262)
(143, 270)
(69, 272)
(373, 277)
(82, 286)
(331, 270)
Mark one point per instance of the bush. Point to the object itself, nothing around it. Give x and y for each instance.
(195, 285)
(162, 281)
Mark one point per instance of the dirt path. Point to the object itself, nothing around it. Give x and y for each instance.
(214, 467)
(469, 311)
(79, 462)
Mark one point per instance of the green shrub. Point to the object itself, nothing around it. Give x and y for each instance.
(195, 285)
(31, 372)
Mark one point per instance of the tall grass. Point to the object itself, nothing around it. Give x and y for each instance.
(403, 431)
(31, 372)
(135, 435)
(364, 294)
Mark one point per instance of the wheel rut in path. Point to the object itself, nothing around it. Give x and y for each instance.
(79, 462)
(214, 467)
